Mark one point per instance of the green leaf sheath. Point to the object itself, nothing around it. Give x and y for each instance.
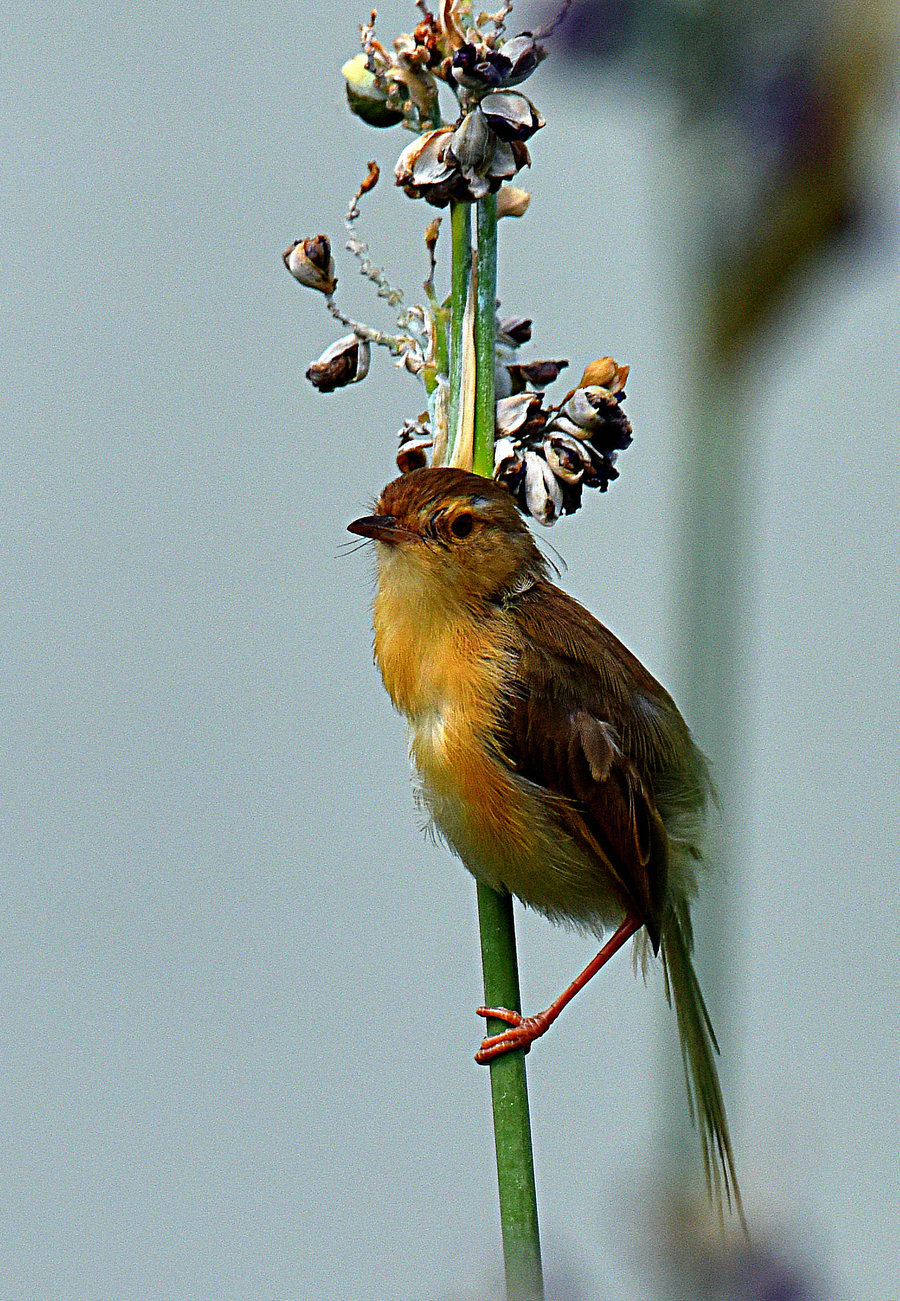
(461, 270)
(485, 328)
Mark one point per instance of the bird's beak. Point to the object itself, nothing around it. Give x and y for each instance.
(383, 527)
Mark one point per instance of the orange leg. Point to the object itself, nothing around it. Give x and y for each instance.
(523, 1030)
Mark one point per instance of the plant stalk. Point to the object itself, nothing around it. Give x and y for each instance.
(460, 277)
(485, 335)
(509, 1090)
(509, 1100)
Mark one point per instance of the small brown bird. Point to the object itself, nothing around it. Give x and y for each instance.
(551, 761)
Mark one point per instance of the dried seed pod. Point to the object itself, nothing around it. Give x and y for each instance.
(424, 171)
(543, 493)
(560, 423)
(523, 54)
(415, 440)
(565, 457)
(423, 161)
(504, 162)
(536, 373)
(606, 373)
(472, 144)
(477, 67)
(310, 262)
(582, 407)
(599, 415)
(508, 460)
(510, 115)
(521, 415)
(345, 362)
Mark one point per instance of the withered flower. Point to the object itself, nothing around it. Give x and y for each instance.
(520, 416)
(514, 330)
(595, 414)
(509, 158)
(542, 489)
(424, 172)
(524, 54)
(592, 413)
(310, 262)
(536, 373)
(604, 372)
(510, 115)
(509, 462)
(566, 457)
(415, 440)
(479, 67)
(472, 146)
(463, 162)
(345, 362)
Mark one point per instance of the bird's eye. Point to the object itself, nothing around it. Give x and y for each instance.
(461, 525)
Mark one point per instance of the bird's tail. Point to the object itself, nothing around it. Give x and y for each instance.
(698, 1050)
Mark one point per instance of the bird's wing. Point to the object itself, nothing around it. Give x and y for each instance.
(585, 720)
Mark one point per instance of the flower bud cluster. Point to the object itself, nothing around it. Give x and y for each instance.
(548, 455)
(474, 158)
(486, 145)
(387, 87)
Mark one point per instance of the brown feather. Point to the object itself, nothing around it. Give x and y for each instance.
(572, 726)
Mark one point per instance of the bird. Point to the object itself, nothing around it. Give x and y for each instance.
(549, 759)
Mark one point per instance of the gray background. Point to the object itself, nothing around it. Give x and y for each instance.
(237, 984)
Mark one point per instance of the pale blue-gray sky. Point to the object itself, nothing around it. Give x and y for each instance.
(237, 984)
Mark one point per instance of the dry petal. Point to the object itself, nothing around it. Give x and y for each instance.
(511, 115)
(515, 330)
(543, 494)
(536, 373)
(512, 202)
(521, 414)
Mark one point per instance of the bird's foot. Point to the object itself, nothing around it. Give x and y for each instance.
(522, 1032)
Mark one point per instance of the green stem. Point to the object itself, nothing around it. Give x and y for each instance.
(509, 1099)
(485, 335)
(461, 271)
(509, 1090)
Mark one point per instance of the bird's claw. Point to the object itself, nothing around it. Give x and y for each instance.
(522, 1032)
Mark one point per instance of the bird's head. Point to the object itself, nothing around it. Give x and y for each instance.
(451, 533)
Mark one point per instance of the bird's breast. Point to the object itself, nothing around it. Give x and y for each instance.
(448, 675)
(451, 677)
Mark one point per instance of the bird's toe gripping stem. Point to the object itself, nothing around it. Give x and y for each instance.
(522, 1032)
